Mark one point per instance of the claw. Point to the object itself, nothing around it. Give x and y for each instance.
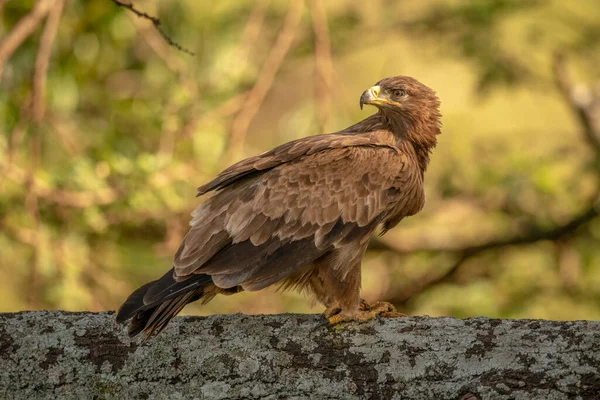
(366, 312)
(331, 311)
(364, 306)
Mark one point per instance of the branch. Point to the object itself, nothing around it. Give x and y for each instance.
(323, 63)
(532, 235)
(156, 22)
(85, 355)
(22, 30)
(582, 101)
(40, 76)
(252, 30)
(462, 254)
(265, 80)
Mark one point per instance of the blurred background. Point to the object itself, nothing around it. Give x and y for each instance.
(107, 128)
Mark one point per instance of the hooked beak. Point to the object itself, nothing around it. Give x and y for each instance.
(370, 96)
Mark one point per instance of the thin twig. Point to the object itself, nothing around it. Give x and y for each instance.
(227, 108)
(154, 39)
(171, 111)
(265, 80)
(252, 30)
(323, 63)
(232, 105)
(22, 30)
(581, 104)
(156, 22)
(40, 75)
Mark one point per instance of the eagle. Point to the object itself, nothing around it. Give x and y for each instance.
(300, 216)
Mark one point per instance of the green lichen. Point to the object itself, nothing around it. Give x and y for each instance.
(85, 355)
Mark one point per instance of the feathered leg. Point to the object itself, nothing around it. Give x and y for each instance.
(336, 284)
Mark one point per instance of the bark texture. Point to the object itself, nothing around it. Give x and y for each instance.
(49, 355)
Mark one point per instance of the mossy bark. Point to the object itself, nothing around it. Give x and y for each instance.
(46, 355)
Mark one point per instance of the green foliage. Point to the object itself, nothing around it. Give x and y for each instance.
(133, 126)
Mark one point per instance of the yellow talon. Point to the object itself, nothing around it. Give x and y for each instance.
(367, 312)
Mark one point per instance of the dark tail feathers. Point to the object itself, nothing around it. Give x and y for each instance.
(153, 305)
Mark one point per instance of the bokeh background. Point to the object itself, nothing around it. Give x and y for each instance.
(106, 130)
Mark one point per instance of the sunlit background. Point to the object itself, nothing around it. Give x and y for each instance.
(106, 130)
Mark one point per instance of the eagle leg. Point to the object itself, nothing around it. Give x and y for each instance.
(367, 312)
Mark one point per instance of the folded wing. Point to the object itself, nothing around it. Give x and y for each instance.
(284, 209)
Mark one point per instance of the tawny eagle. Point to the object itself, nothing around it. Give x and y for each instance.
(301, 215)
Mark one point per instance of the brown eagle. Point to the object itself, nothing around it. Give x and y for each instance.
(301, 215)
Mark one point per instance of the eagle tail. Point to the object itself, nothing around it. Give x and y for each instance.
(152, 306)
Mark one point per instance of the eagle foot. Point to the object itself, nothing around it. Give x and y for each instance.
(334, 310)
(331, 311)
(367, 312)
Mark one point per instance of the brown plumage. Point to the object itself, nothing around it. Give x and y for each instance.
(301, 215)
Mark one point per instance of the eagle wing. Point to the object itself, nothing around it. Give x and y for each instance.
(279, 211)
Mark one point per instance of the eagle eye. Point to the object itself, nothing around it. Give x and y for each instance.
(399, 92)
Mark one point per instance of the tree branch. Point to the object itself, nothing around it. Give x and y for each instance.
(323, 63)
(582, 101)
(532, 235)
(40, 76)
(265, 80)
(156, 22)
(22, 30)
(85, 355)
(462, 254)
(252, 30)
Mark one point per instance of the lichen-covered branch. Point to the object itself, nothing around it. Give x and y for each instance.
(85, 355)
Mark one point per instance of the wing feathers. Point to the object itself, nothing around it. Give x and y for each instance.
(285, 208)
(267, 264)
(199, 245)
(291, 151)
(255, 223)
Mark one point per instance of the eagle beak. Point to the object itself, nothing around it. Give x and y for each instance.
(369, 96)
